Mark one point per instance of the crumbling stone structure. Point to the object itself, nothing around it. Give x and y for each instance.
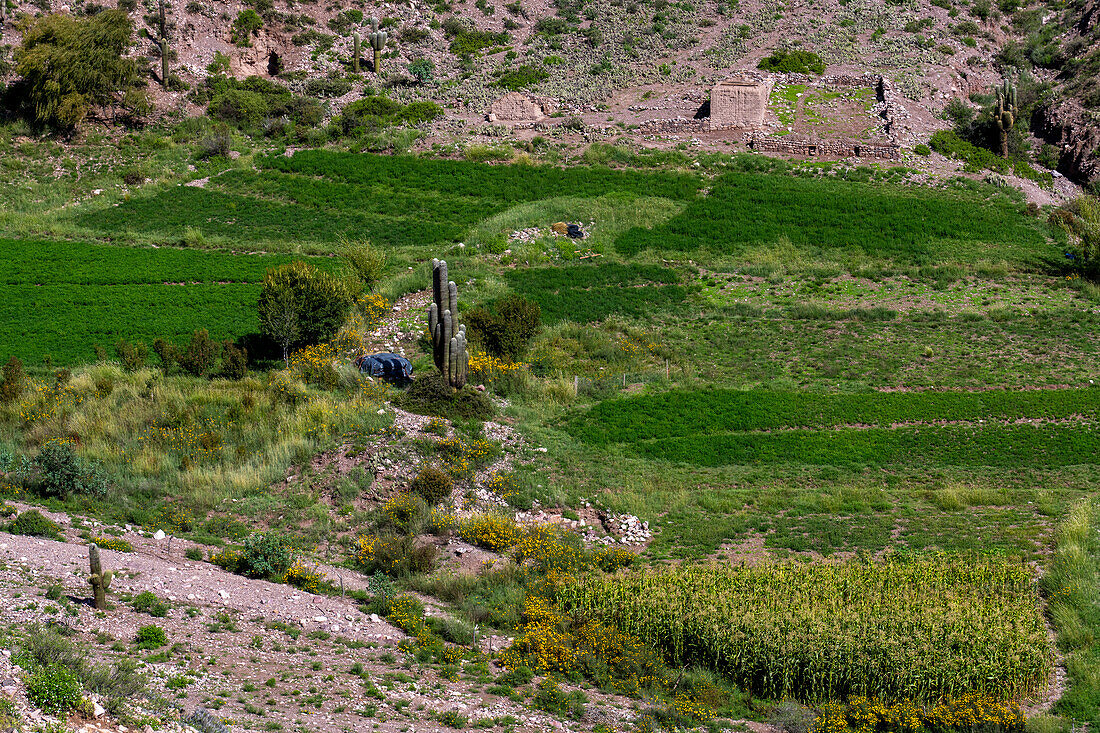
(520, 107)
(739, 102)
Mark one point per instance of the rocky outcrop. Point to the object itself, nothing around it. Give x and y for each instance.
(1076, 130)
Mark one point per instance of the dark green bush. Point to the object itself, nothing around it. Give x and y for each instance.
(132, 356)
(397, 556)
(430, 395)
(793, 62)
(302, 305)
(247, 24)
(33, 524)
(13, 381)
(433, 485)
(505, 327)
(61, 472)
(54, 688)
(266, 555)
(521, 78)
(554, 700)
(147, 602)
(200, 355)
(240, 108)
(151, 637)
(468, 43)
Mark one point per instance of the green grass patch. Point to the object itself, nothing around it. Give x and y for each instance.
(908, 225)
(950, 445)
(1072, 585)
(684, 413)
(586, 293)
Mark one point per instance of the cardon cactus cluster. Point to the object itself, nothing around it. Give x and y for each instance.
(448, 337)
(99, 578)
(378, 42)
(1007, 110)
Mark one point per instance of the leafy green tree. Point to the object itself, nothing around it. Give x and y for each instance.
(318, 301)
(69, 66)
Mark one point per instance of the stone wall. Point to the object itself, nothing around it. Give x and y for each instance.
(824, 148)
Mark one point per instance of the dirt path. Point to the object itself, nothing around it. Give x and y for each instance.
(226, 653)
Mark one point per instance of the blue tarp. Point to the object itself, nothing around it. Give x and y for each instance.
(390, 367)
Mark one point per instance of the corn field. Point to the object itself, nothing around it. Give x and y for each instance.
(899, 629)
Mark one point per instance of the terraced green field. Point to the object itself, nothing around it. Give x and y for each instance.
(61, 298)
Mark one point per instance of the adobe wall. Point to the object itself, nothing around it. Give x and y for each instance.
(740, 102)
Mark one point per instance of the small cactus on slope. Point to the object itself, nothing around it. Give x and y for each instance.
(99, 579)
(1007, 110)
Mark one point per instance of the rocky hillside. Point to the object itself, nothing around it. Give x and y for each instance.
(622, 62)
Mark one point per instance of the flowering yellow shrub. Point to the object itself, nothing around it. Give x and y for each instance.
(113, 543)
(173, 518)
(229, 559)
(374, 308)
(495, 532)
(402, 508)
(316, 365)
(48, 400)
(962, 712)
(304, 577)
(503, 484)
(545, 548)
(485, 368)
(461, 459)
(192, 444)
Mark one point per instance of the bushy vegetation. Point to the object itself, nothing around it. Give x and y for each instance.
(54, 688)
(1070, 585)
(793, 62)
(302, 305)
(504, 327)
(70, 66)
(32, 524)
(372, 114)
(429, 394)
(898, 629)
(248, 103)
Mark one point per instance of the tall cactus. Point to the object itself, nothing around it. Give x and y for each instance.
(449, 351)
(378, 42)
(99, 579)
(162, 44)
(355, 62)
(1007, 110)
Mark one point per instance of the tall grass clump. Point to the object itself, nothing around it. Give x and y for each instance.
(196, 439)
(1072, 586)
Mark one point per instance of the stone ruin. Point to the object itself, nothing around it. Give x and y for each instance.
(520, 107)
(740, 102)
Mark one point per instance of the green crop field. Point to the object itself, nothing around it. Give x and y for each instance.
(907, 225)
(587, 293)
(61, 298)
